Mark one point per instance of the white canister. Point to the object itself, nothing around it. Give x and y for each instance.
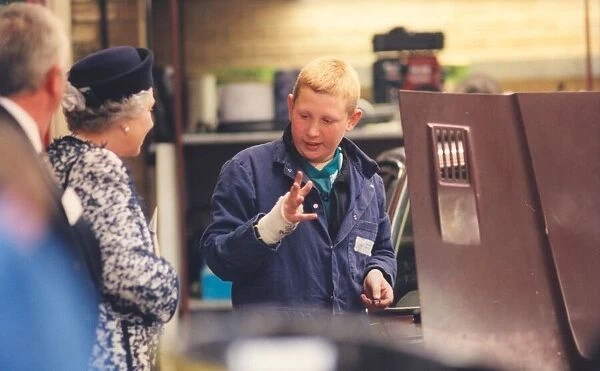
(203, 103)
(243, 102)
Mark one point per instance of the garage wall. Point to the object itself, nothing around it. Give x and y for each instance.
(520, 39)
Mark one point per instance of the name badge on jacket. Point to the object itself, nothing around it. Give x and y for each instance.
(363, 245)
(72, 205)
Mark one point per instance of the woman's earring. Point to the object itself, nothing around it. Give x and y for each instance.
(126, 129)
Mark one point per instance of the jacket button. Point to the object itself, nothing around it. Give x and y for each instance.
(315, 206)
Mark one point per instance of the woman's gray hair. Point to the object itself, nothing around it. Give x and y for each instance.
(32, 40)
(93, 120)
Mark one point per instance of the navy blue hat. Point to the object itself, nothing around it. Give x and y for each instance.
(112, 74)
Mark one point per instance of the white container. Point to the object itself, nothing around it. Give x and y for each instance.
(246, 102)
(202, 103)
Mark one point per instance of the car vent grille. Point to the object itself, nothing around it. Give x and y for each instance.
(452, 159)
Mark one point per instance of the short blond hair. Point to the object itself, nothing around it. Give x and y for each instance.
(331, 76)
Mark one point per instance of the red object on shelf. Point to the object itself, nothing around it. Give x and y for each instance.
(423, 72)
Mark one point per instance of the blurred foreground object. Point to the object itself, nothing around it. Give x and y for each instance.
(265, 339)
(505, 213)
(45, 311)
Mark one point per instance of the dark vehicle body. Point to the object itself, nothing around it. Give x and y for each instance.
(505, 214)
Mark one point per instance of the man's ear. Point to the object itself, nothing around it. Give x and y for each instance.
(354, 119)
(290, 102)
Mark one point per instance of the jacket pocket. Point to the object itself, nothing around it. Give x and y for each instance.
(360, 244)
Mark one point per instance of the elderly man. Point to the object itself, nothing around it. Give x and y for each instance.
(34, 56)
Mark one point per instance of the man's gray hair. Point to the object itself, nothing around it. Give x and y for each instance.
(95, 120)
(32, 41)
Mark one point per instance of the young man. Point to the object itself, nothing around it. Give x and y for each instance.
(300, 223)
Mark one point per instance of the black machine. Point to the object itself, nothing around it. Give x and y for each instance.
(413, 66)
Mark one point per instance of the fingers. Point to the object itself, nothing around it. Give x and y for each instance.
(295, 199)
(292, 203)
(306, 189)
(298, 178)
(296, 190)
(378, 293)
(371, 296)
(367, 303)
(387, 296)
(376, 290)
(375, 304)
(305, 217)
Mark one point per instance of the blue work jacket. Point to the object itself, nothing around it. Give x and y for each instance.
(307, 269)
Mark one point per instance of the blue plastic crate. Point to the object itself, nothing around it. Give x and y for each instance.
(214, 288)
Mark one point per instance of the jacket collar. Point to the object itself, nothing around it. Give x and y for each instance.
(285, 153)
(25, 121)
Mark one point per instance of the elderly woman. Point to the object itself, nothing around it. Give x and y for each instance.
(108, 107)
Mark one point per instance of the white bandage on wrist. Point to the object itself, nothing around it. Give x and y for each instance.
(273, 226)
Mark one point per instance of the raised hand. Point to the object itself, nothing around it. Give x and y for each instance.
(292, 208)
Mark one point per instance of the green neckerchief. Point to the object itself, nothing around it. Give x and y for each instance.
(323, 179)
